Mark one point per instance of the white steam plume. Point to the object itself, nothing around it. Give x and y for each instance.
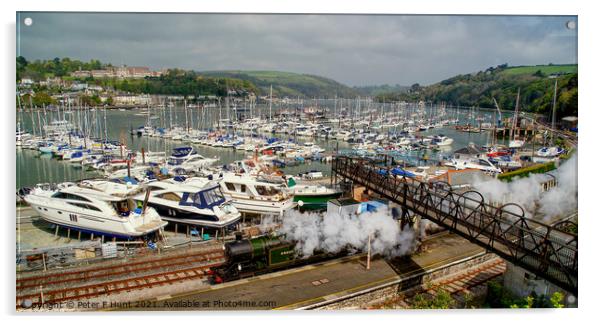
(526, 192)
(335, 232)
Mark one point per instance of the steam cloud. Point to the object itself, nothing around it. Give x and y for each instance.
(526, 192)
(335, 232)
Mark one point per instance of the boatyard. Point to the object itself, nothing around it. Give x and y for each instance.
(156, 188)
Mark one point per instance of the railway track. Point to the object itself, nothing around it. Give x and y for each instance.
(89, 283)
(470, 279)
(113, 270)
(455, 285)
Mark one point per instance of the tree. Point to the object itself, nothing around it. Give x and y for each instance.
(556, 300)
(500, 297)
(441, 300)
(91, 101)
(21, 65)
(539, 74)
(42, 99)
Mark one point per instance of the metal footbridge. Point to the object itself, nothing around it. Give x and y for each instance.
(544, 250)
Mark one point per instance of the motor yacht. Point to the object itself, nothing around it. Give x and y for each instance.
(99, 207)
(188, 159)
(461, 163)
(196, 201)
(253, 196)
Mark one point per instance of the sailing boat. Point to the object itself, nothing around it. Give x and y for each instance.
(551, 151)
(514, 141)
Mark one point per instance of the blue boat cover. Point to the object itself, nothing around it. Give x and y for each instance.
(403, 173)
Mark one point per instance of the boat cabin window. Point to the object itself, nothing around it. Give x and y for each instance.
(123, 207)
(243, 188)
(64, 195)
(169, 196)
(85, 206)
(230, 186)
(204, 199)
(266, 191)
(484, 163)
(213, 196)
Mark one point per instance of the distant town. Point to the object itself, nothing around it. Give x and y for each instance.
(83, 87)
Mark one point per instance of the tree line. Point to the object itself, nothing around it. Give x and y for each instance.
(479, 89)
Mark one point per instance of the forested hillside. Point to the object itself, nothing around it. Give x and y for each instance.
(536, 85)
(289, 84)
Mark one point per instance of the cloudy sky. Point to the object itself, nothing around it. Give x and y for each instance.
(355, 50)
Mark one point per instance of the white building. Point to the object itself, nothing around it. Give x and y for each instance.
(131, 100)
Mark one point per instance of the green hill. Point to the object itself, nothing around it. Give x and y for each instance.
(376, 90)
(289, 84)
(545, 69)
(502, 82)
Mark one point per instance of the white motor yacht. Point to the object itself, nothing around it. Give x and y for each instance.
(257, 197)
(442, 140)
(188, 159)
(98, 207)
(516, 144)
(473, 163)
(195, 201)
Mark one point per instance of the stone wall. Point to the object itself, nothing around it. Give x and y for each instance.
(377, 295)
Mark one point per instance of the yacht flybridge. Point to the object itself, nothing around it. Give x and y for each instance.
(98, 207)
(257, 197)
(195, 201)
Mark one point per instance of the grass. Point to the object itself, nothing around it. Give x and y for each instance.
(525, 172)
(545, 69)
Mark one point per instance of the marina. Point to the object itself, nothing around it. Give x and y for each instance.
(135, 191)
(233, 167)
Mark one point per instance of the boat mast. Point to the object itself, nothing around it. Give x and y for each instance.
(515, 119)
(33, 121)
(554, 112)
(270, 103)
(105, 121)
(186, 113)
(170, 118)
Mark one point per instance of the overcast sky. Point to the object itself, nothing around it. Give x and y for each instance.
(355, 50)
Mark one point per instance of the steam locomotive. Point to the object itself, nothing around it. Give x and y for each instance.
(250, 257)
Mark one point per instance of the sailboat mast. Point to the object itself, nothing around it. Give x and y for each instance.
(554, 112)
(33, 121)
(105, 121)
(270, 103)
(515, 119)
(186, 114)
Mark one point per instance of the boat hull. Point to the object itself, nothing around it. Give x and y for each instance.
(315, 202)
(92, 224)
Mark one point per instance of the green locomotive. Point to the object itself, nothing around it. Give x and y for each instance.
(249, 257)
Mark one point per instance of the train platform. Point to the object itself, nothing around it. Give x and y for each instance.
(314, 284)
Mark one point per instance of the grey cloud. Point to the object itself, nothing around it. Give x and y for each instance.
(355, 49)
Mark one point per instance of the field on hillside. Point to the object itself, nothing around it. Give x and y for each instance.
(545, 69)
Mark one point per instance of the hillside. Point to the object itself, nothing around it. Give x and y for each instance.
(377, 90)
(502, 82)
(545, 69)
(289, 84)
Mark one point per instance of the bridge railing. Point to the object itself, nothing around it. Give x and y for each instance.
(504, 230)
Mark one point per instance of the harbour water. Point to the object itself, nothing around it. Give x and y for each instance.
(33, 167)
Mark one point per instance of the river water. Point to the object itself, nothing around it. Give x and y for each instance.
(33, 168)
